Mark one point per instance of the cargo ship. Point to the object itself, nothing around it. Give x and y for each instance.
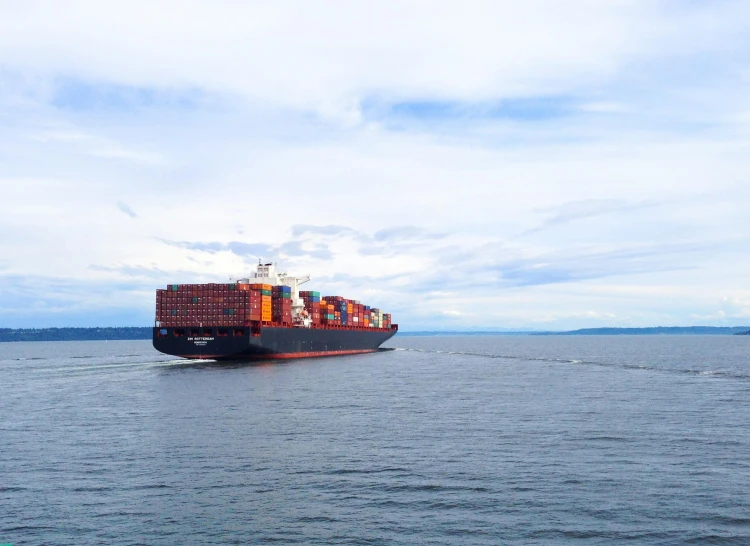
(264, 316)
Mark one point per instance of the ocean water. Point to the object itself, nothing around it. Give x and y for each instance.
(446, 440)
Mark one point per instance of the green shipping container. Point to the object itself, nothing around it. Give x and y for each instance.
(265, 292)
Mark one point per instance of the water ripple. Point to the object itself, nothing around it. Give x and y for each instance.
(487, 440)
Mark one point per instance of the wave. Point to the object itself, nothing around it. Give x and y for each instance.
(345, 471)
(152, 364)
(726, 374)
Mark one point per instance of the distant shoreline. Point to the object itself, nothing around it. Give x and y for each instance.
(124, 333)
(144, 333)
(645, 331)
(656, 331)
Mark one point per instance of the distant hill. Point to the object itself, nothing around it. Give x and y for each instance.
(74, 334)
(655, 331)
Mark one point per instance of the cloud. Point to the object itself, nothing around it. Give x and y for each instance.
(329, 230)
(126, 209)
(381, 242)
(247, 250)
(259, 251)
(400, 233)
(131, 271)
(251, 250)
(299, 248)
(98, 146)
(70, 301)
(597, 263)
(486, 52)
(604, 107)
(394, 154)
(588, 208)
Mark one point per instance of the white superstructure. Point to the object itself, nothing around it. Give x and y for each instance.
(267, 274)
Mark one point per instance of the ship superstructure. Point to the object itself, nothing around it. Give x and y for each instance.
(267, 274)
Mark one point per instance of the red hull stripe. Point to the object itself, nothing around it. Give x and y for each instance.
(280, 355)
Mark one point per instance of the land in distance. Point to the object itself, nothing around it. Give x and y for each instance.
(655, 331)
(75, 334)
(145, 332)
(647, 331)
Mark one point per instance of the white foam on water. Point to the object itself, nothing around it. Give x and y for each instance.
(104, 366)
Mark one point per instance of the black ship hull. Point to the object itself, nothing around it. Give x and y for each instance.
(270, 342)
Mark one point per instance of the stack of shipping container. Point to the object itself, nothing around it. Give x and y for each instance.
(202, 304)
(262, 294)
(337, 310)
(282, 305)
(242, 304)
(311, 300)
(213, 304)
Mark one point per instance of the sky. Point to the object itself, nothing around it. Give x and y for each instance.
(535, 165)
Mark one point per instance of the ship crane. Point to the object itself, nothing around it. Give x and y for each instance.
(267, 274)
(299, 315)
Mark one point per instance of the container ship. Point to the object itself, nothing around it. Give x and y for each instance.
(264, 316)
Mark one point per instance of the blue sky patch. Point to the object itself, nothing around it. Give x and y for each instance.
(81, 95)
(519, 109)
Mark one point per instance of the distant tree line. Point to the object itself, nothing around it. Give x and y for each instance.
(74, 334)
(661, 330)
